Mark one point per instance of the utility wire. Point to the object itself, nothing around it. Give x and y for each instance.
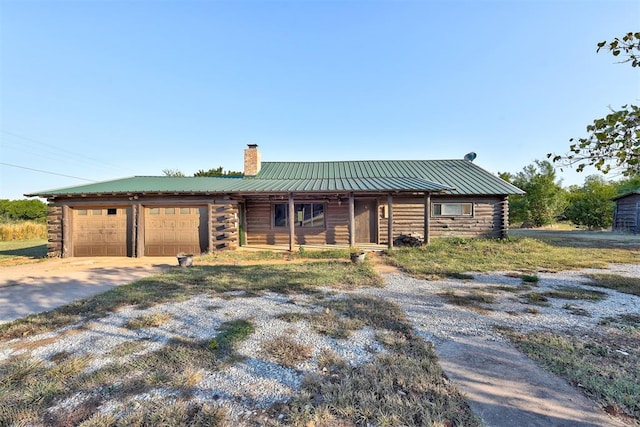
(62, 150)
(50, 173)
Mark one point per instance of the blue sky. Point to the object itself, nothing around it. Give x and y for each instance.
(107, 89)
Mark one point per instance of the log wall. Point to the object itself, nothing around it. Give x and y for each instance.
(223, 226)
(260, 230)
(488, 220)
(627, 214)
(54, 231)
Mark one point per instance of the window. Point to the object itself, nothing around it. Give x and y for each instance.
(96, 212)
(306, 215)
(112, 211)
(452, 209)
(154, 211)
(185, 211)
(81, 211)
(169, 211)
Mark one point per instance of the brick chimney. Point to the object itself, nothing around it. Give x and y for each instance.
(252, 162)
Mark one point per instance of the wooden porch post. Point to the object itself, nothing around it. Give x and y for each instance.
(291, 223)
(427, 218)
(67, 245)
(390, 221)
(139, 230)
(352, 221)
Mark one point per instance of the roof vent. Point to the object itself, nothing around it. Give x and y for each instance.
(470, 157)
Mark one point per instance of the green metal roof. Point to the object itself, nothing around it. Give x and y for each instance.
(258, 184)
(463, 176)
(450, 176)
(147, 184)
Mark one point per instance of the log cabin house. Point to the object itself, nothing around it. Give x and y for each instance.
(351, 203)
(626, 216)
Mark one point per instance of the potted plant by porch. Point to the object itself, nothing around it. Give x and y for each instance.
(185, 260)
(357, 256)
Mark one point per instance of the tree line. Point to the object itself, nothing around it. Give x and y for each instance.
(546, 201)
(23, 210)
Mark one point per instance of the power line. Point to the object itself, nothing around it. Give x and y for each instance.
(50, 173)
(57, 149)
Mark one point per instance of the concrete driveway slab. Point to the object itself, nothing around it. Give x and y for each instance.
(35, 288)
(506, 388)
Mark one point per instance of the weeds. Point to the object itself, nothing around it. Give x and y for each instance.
(286, 351)
(445, 257)
(627, 285)
(563, 292)
(180, 284)
(148, 321)
(575, 292)
(591, 363)
(536, 298)
(473, 299)
(402, 387)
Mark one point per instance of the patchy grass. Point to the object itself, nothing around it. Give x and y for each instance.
(20, 251)
(179, 284)
(403, 386)
(563, 292)
(604, 364)
(536, 298)
(235, 257)
(148, 321)
(231, 333)
(448, 256)
(126, 348)
(473, 299)
(575, 292)
(286, 351)
(29, 386)
(622, 321)
(530, 278)
(576, 311)
(627, 285)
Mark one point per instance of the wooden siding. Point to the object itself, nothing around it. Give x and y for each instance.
(627, 214)
(408, 218)
(260, 230)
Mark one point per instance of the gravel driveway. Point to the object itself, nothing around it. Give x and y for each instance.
(257, 381)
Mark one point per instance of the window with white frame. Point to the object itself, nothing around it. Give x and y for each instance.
(452, 209)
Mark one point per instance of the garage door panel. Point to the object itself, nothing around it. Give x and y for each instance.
(100, 232)
(169, 231)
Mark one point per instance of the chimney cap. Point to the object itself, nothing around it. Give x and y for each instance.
(252, 145)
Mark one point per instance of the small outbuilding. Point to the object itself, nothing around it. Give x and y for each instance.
(626, 216)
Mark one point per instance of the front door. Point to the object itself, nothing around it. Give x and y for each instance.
(365, 221)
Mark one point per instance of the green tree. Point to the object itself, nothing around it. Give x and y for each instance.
(613, 142)
(173, 172)
(219, 171)
(590, 205)
(545, 199)
(626, 185)
(25, 209)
